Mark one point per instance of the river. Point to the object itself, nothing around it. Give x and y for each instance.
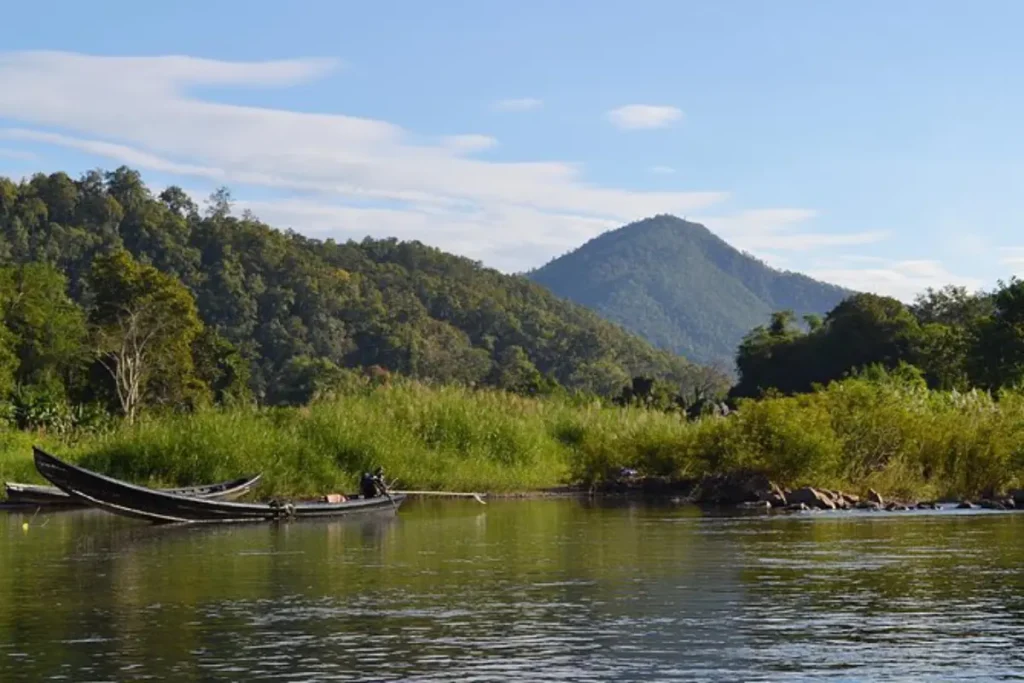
(538, 590)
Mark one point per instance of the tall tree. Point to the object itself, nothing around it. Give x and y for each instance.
(48, 328)
(144, 323)
(997, 357)
(952, 305)
(8, 362)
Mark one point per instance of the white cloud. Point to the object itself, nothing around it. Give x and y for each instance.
(142, 112)
(121, 153)
(17, 154)
(662, 170)
(635, 116)
(965, 242)
(494, 235)
(1012, 256)
(903, 280)
(519, 104)
(469, 143)
(764, 230)
(144, 105)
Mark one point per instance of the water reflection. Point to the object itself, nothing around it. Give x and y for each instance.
(539, 590)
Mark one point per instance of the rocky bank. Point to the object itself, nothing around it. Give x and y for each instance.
(756, 491)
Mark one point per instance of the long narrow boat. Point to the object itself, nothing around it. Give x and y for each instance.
(156, 506)
(34, 494)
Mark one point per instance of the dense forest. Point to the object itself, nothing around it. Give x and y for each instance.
(112, 297)
(953, 339)
(681, 287)
(115, 301)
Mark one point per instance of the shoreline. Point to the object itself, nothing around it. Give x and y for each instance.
(689, 492)
(643, 496)
(747, 492)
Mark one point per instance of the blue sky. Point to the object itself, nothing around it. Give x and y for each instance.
(873, 144)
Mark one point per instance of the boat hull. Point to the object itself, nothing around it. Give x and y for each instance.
(52, 496)
(156, 506)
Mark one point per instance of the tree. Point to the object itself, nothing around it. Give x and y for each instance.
(143, 324)
(782, 323)
(47, 327)
(515, 372)
(304, 379)
(445, 354)
(997, 355)
(601, 377)
(941, 352)
(862, 330)
(952, 305)
(8, 362)
(813, 322)
(222, 367)
(219, 203)
(708, 382)
(178, 201)
(125, 185)
(865, 329)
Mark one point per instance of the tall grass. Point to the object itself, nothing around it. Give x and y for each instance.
(890, 435)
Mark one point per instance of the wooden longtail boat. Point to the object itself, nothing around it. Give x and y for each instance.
(156, 506)
(35, 495)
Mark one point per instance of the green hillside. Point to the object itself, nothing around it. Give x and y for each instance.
(681, 287)
(268, 314)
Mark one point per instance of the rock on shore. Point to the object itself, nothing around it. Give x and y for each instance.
(752, 490)
(756, 491)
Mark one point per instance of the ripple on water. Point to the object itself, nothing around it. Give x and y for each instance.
(537, 591)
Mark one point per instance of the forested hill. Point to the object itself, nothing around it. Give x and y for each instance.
(682, 287)
(267, 313)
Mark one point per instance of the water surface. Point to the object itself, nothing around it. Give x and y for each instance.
(559, 590)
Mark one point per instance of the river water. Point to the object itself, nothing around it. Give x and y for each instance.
(541, 590)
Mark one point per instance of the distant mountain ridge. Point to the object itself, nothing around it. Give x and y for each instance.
(681, 287)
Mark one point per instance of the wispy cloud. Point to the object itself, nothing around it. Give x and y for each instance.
(141, 111)
(1012, 256)
(638, 116)
(662, 170)
(348, 175)
(764, 230)
(519, 104)
(903, 279)
(470, 142)
(509, 238)
(18, 154)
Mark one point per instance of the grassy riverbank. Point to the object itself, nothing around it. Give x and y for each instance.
(893, 436)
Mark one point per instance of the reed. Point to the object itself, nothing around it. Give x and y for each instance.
(887, 434)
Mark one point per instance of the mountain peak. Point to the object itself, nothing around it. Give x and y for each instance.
(681, 286)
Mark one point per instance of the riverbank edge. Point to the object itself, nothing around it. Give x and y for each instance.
(756, 492)
(752, 492)
(693, 493)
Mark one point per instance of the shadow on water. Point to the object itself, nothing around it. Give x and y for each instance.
(570, 590)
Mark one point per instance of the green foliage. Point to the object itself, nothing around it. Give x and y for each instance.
(48, 327)
(221, 367)
(883, 430)
(44, 408)
(144, 323)
(997, 356)
(681, 287)
(225, 317)
(272, 307)
(8, 361)
(954, 340)
(306, 379)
